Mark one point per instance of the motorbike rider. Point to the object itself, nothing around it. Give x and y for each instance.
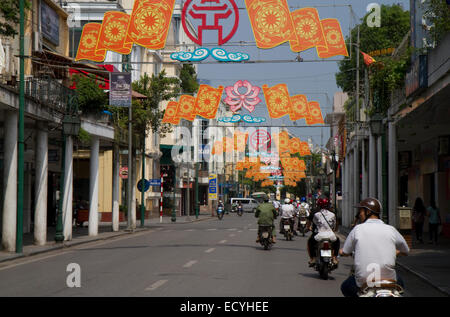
(266, 214)
(276, 205)
(303, 210)
(322, 224)
(287, 212)
(373, 242)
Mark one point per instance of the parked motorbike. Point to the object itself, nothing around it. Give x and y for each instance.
(302, 225)
(324, 255)
(287, 225)
(265, 236)
(220, 212)
(240, 211)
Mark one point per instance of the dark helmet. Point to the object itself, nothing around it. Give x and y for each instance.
(323, 202)
(371, 204)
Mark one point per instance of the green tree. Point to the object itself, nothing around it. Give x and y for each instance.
(9, 11)
(395, 24)
(91, 99)
(438, 12)
(188, 77)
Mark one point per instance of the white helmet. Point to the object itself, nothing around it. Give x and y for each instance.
(287, 201)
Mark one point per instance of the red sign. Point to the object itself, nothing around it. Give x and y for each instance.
(123, 172)
(260, 140)
(103, 83)
(211, 17)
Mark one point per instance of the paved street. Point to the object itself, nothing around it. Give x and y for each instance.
(206, 258)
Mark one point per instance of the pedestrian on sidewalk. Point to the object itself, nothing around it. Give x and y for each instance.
(434, 221)
(419, 212)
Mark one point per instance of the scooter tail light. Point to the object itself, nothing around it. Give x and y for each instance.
(326, 246)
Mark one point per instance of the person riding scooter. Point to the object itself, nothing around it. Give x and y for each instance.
(266, 214)
(287, 213)
(322, 224)
(376, 246)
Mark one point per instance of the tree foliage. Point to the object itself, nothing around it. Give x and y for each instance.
(10, 14)
(91, 99)
(438, 13)
(395, 24)
(188, 77)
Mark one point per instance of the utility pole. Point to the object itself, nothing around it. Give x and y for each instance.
(357, 117)
(143, 185)
(21, 165)
(130, 158)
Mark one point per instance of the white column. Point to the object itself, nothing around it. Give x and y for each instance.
(115, 193)
(356, 175)
(27, 188)
(350, 178)
(344, 191)
(372, 167)
(93, 186)
(40, 214)
(133, 191)
(380, 169)
(68, 189)
(9, 220)
(392, 175)
(365, 174)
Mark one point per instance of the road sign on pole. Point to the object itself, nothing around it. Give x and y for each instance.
(212, 191)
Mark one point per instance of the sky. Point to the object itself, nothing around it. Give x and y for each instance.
(314, 79)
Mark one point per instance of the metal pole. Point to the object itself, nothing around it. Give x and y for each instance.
(196, 191)
(174, 214)
(130, 167)
(143, 186)
(188, 206)
(59, 236)
(21, 165)
(385, 179)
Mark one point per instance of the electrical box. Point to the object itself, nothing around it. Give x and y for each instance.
(404, 215)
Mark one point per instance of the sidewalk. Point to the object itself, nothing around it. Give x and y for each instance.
(80, 235)
(428, 261)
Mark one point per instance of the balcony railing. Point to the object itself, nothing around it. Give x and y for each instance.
(50, 93)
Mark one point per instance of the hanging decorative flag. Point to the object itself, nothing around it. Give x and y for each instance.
(88, 43)
(304, 149)
(368, 60)
(294, 145)
(308, 29)
(170, 115)
(299, 108)
(271, 22)
(207, 101)
(335, 43)
(282, 140)
(228, 145)
(113, 34)
(186, 108)
(240, 140)
(150, 22)
(277, 100)
(316, 113)
(236, 100)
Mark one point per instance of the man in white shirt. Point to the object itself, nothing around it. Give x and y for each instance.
(287, 212)
(376, 246)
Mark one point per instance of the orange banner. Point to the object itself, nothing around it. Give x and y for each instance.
(150, 22)
(240, 140)
(217, 147)
(113, 34)
(282, 141)
(304, 149)
(299, 108)
(368, 60)
(334, 39)
(277, 100)
(271, 22)
(308, 29)
(294, 145)
(316, 113)
(186, 107)
(207, 101)
(88, 43)
(170, 115)
(228, 145)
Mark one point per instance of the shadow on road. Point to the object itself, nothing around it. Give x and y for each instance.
(316, 276)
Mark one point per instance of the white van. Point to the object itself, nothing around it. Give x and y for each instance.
(248, 204)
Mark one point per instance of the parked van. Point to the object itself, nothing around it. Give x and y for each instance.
(248, 204)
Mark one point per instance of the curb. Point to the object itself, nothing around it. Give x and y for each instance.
(407, 268)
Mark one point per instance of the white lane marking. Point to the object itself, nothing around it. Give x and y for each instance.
(253, 229)
(156, 285)
(210, 250)
(190, 230)
(240, 231)
(211, 230)
(232, 235)
(233, 229)
(159, 229)
(190, 263)
(223, 241)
